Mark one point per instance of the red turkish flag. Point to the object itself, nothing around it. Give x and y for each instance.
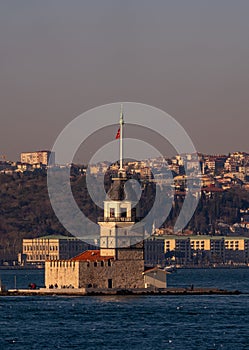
(118, 134)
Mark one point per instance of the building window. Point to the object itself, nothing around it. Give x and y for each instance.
(110, 283)
(95, 264)
(112, 212)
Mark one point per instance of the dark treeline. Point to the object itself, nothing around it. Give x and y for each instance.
(26, 212)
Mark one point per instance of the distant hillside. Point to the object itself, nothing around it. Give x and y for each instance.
(25, 209)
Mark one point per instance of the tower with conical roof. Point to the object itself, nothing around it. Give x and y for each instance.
(119, 263)
(117, 236)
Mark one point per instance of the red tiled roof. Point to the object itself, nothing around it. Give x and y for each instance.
(91, 255)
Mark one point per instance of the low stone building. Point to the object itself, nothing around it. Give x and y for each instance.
(91, 270)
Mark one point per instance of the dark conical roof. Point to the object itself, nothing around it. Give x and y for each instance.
(116, 191)
(121, 190)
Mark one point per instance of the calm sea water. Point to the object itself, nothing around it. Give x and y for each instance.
(125, 322)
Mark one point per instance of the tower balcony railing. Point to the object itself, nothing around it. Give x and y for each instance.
(118, 219)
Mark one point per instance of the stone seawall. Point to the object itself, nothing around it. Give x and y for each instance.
(117, 291)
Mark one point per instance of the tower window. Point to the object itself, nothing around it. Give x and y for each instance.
(112, 212)
(124, 213)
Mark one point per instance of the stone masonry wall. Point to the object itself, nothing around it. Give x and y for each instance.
(129, 254)
(62, 273)
(124, 274)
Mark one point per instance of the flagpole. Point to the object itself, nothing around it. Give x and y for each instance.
(121, 122)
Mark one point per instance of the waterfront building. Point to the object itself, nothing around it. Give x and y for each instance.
(196, 250)
(53, 247)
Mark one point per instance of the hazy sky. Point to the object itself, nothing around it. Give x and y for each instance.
(59, 58)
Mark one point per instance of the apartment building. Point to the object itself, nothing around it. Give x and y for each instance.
(196, 249)
(42, 157)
